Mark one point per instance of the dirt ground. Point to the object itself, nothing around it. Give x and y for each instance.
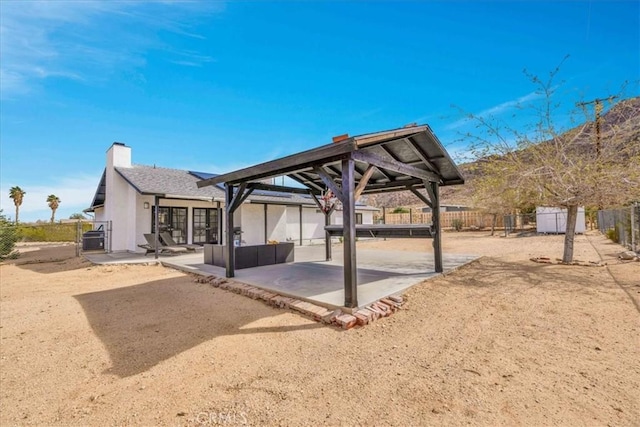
(502, 341)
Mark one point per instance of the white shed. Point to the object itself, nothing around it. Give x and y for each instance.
(554, 220)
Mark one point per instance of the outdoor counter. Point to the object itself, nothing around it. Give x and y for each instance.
(386, 231)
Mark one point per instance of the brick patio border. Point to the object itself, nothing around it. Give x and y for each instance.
(359, 317)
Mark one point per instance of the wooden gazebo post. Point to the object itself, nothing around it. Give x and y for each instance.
(228, 199)
(349, 233)
(435, 219)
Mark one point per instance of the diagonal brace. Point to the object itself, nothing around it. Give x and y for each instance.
(329, 182)
(366, 176)
(395, 166)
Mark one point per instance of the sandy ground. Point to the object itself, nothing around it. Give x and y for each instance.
(503, 341)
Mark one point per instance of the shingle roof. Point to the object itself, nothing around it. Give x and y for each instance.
(176, 183)
(167, 182)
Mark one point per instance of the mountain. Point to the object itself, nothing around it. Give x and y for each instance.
(619, 128)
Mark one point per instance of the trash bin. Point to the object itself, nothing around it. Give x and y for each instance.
(93, 240)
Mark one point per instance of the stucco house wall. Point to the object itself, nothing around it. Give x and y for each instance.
(276, 223)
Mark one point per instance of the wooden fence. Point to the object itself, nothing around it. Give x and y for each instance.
(452, 220)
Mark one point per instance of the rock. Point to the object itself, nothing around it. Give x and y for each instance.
(628, 255)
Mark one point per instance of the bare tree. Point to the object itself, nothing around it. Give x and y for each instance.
(543, 164)
(493, 192)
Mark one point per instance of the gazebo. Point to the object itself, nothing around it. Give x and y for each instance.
(409, 158)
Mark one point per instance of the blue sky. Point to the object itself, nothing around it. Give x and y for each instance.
(214, 86)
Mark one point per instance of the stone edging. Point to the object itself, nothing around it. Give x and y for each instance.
(360, 317)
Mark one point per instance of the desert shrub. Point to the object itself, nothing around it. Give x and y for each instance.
(50, 232)
(457, 224)
(8, 238)
(400, 210)
(612, 234)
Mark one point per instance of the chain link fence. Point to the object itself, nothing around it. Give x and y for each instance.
(622, 226)
(546, 222)
(8, 238)
(98, 238)
(87, 235)
(519, 223)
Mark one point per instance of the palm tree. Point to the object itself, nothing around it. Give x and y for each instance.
(53, 201)
(17, 194)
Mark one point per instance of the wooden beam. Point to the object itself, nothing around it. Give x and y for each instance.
(246, 194)
(297, 162)
(421, 154)
(430, 192)
(421, 196)
(306, 181)
(395, 185)
(315, 199)
(328, 181)
(279, 188)
(395, 166)
(389, 152)
(390, 136)
(366, 176)
(237, 197)
(335, 170)
(386, 174)
(396, 158)
(357, 170)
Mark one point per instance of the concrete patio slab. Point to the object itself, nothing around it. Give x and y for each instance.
(380, 272)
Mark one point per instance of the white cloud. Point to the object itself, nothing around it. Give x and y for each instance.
(75, 40)
(497, 110)
(75, 193)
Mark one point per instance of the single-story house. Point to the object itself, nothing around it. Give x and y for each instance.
(128, 195)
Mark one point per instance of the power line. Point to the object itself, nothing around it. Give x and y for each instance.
(598, 113)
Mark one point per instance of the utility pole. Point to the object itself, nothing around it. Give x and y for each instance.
(598, 113)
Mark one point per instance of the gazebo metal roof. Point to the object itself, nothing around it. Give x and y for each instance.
(402, 158)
